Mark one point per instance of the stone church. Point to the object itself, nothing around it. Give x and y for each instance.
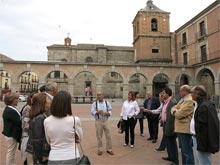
(189, 55)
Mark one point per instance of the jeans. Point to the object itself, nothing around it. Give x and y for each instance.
(172, 149)
(201, 157)
(186, 148)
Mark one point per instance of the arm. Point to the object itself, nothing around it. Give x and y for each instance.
(137, 109)
(78, 128)
(185, 110)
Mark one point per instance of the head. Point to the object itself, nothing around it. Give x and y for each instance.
(61, 104)
(166, 93)
(100, 96)
(137, 95)
(184, 90)
(51, 88)
(160, 97)
(11, 99)
(40, 104)
(199, 94)
(131, 96)
(149, 94)
(42, 88)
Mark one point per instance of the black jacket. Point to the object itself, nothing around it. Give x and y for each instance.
(37, 143)
(169, 129)
(154, 105)
(207, 127)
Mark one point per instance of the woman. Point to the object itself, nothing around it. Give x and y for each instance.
(140, 116)
(62, 138)
(25, 127)
(37, 144)
(12, 126)
(129, 110)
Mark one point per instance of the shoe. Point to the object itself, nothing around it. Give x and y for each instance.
(158, 150)
(125, 145)
(166, 158)
(110, 152)
(142, 135)
(150, 138)
(154, 141)
(132, 146)
(99, 152)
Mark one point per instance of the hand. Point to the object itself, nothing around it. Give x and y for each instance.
(173, 111)
(147, 110)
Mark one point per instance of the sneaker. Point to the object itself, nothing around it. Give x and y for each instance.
(99, 152)
(132, 146)
(125, 145)
(142, 135)
(158, 150)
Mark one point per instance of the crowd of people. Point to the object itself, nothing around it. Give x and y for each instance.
(191, 124)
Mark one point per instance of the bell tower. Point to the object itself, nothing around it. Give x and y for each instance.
(151, 35)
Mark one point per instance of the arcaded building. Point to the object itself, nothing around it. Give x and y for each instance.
(189, 55)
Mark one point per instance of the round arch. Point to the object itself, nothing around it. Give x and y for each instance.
(159, 82)
(112, 85)
(206, 78)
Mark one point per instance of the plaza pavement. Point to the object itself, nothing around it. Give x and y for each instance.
(142, 153)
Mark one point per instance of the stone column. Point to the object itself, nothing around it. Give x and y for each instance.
(125, 91)
(217, 87)
(98, 88)
(149, 87)
(71, 87)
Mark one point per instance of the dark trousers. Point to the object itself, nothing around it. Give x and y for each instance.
(172, 149)
(129, 128)
(141, 123)
(163, 143)
(153, 121)
(186, 148)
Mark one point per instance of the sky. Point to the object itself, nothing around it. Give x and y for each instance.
(27, 27)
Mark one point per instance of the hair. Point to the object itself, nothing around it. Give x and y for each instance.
(50, 86)
(9, 98)
(135, 94)
(38, 104)
(61, 104)
(202, 94)
(168, 91)
(186, 88)
(132, 95)
(42, 88)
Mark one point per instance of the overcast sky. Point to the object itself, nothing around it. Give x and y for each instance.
(28, 26)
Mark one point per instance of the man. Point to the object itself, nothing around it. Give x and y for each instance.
(183, 112)
(153, 119)
(51, 89)
(101, 110)
(204, 127)
(168, 126)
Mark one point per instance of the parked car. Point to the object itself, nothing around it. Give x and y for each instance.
(22, 98)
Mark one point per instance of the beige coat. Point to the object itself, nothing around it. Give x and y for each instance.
(183, 115)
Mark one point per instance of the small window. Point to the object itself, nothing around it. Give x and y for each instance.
(184, 39)
(155, 50)
(57, 74)
(88, 59)
(154, 25)
(202, 31)
(185, 60)
(203, 53)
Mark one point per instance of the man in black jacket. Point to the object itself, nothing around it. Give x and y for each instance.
(206, 127)
(153, 119)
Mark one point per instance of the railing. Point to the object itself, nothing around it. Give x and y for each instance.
(83, 99)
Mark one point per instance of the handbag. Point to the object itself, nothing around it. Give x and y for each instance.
(84, 160)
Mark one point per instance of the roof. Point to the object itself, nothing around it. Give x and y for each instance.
(152, 8)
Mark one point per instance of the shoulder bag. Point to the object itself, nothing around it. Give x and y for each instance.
(84, 160)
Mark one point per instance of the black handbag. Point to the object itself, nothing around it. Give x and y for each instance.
(84, 160)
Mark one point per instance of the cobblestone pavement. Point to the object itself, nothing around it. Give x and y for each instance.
(142, 153)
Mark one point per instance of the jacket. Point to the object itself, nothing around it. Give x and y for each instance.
(12, 124)
(154, 105)
(183, 114)
(169, 129)
(37, 143)
(207, 127)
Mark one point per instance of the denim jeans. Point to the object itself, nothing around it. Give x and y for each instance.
(172, 149)
(186, 148)
(201, 157)
(163, 143)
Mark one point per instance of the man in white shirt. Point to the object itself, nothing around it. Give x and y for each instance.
(101, 110)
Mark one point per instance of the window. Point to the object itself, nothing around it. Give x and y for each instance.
(203, 53)
(184, 39)
(185, 61)
(57, 74)
(155, 50)
(88, 59)
(154, 25)
(202, 31)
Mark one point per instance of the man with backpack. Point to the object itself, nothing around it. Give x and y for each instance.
(102, 110)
